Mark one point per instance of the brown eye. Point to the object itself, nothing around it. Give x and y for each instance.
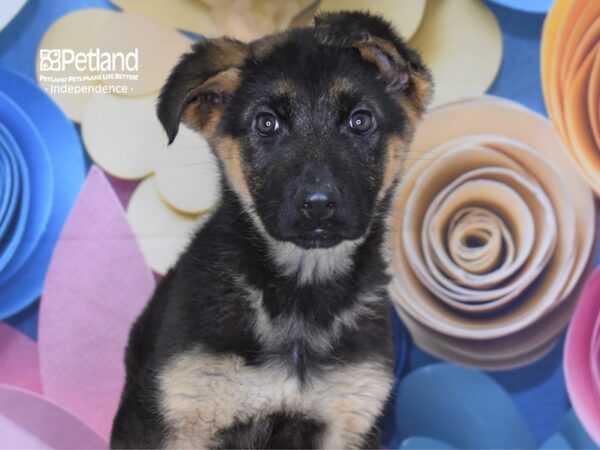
(266, 124)
(361, 121)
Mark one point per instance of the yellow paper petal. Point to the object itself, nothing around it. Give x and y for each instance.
(123, 135)
(187, 174)
(461, 42)
(187, 15)
(405, 16)
(251, 19)
(162, 232)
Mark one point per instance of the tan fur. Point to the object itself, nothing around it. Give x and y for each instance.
(313, 265)
(375, 50)
(396, 148)
(285, 88)
(415, 104)
(228, 151)
(272, 332)
(223, 57)
(227, 53)
(308, 265)
(225, 81)
(341, 86)
(205, 118)
(201, 393)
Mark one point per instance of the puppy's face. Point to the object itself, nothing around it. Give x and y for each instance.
(313, 124)
(309, 125)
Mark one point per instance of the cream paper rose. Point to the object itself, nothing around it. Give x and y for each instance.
(492, 228)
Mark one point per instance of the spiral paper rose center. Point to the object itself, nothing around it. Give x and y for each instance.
(488, 227)
(476, 238)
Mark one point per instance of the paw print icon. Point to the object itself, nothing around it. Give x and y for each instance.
(50, 60)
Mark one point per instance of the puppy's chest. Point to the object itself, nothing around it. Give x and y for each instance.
(301, 328)
(202, 394)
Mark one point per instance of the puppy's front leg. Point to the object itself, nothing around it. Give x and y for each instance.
(135, 426)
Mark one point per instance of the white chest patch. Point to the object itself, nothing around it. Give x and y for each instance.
(273, 331)
(309, 265)
(313, 265)
(202, 393)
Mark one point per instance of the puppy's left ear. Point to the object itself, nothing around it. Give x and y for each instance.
(405, 75)
(201, 85)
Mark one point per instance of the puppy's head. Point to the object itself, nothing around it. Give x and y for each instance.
(309, 125)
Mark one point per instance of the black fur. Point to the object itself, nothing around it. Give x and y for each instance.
(276, 431)
(200, 302)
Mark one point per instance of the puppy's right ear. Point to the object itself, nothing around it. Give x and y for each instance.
(200, 86)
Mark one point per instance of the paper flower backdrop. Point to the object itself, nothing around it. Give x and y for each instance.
(492, 235)
(107, 31)
(582, 357)
(182, 181)
(10, 9)
(445, 45)
(530, 6)
(491, 231)
(571, 80)
(64, 392)
(251, 19)
(37, 144)
(460, 395)
(242, 19)
(477, 49)
(405, 16)
(27, 418)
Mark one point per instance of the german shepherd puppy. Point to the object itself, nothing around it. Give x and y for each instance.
(273, 329)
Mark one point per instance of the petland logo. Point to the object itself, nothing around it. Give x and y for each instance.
(58, 60)
(65, 71)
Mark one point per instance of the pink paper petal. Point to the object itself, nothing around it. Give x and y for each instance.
(28, 420)
(583, 391)
(20, 363)
(97, 285)
(123, 188)
(595, 354)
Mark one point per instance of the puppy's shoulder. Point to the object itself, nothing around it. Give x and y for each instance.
(198, 300)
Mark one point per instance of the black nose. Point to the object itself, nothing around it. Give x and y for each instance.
(319, 206)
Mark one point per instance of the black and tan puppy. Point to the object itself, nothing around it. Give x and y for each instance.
(272, 331)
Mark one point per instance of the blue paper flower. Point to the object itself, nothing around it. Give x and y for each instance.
(528, 6)
(446, 406)
(41, 171)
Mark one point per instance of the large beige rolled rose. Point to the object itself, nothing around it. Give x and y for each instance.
(491, 230)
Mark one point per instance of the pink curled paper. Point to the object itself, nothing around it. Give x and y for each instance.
(20, 363)
(595, 354)
(123, 188)
(579, 373)
(28, 420)
(97, 285)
